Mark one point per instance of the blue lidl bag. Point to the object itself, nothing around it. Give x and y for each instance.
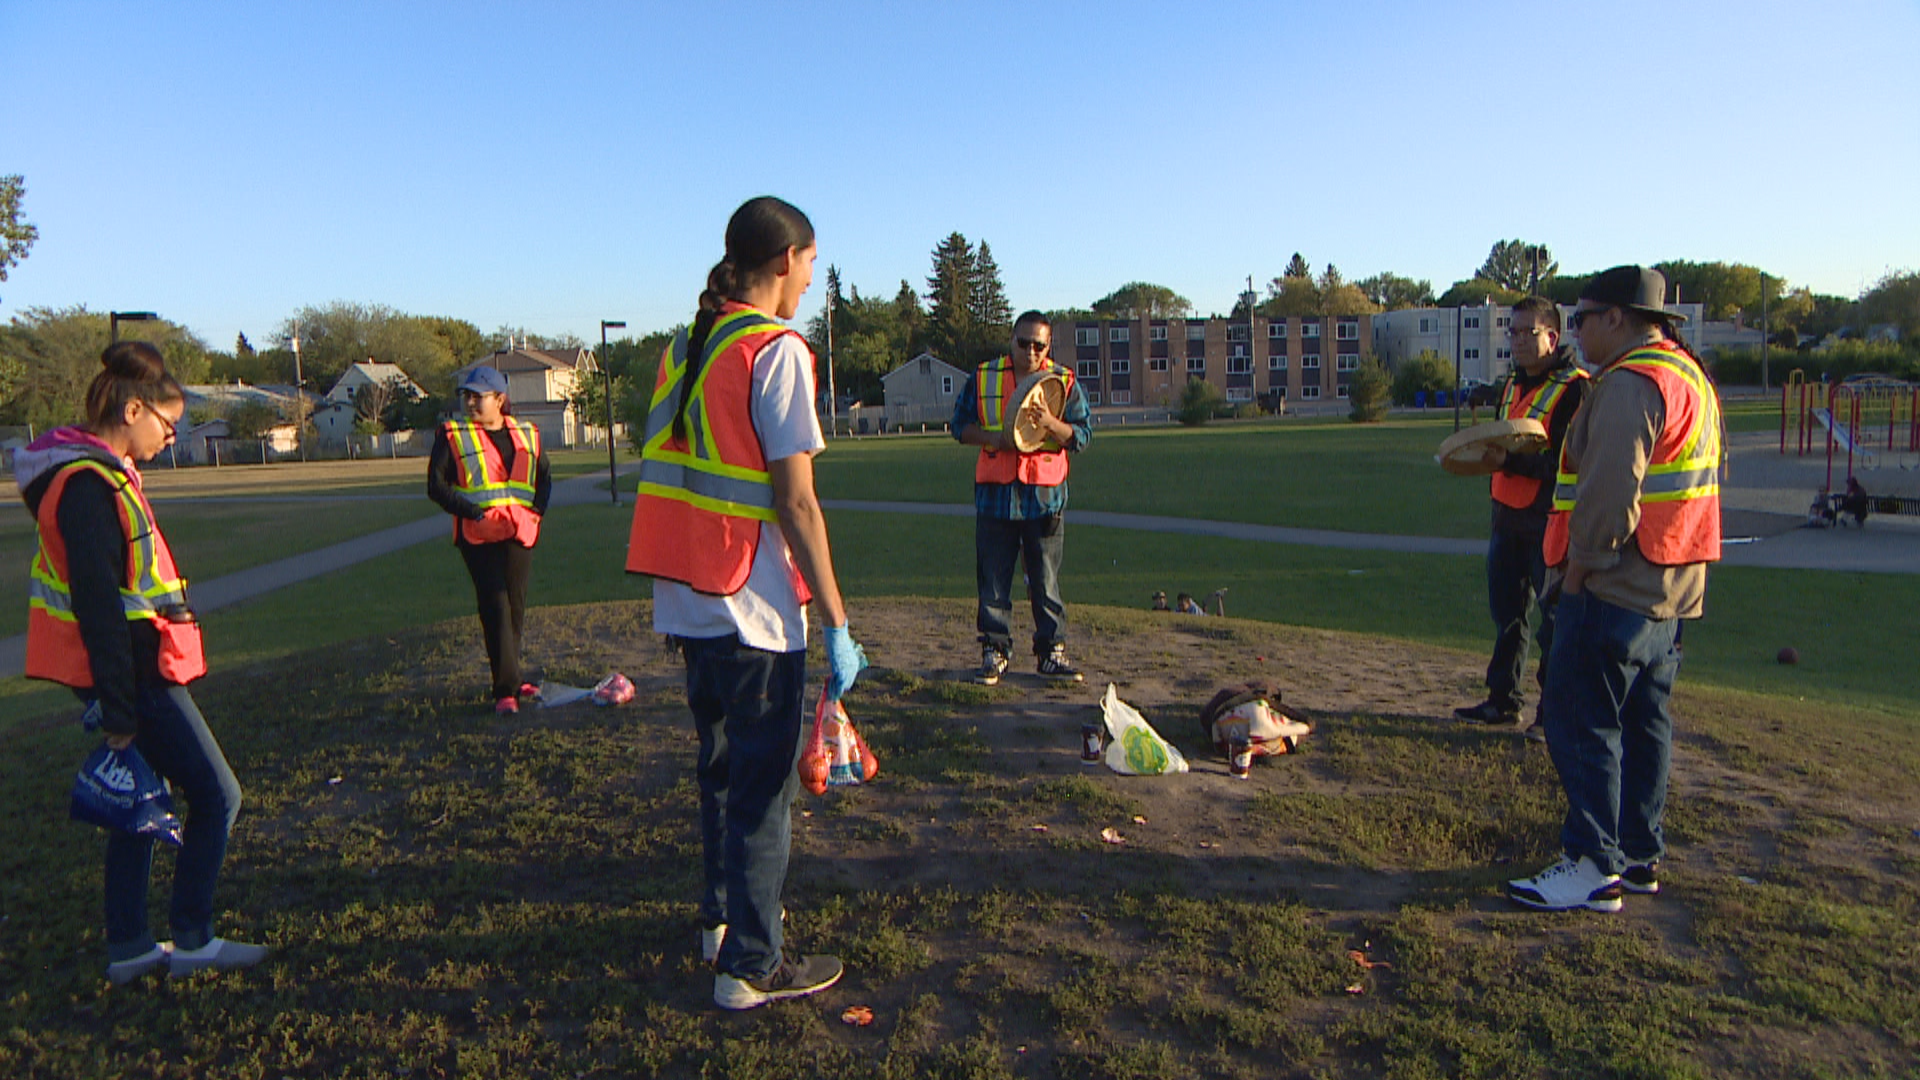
(117, 789)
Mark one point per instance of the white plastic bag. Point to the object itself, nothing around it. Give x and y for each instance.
(1133, 747)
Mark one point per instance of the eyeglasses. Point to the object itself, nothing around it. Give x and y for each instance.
(1581, 316)
(1030, 345)
(1517, 333)
(167, 426)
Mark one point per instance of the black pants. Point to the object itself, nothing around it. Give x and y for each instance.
(1516, 576)
(499, 572)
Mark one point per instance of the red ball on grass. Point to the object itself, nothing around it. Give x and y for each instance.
(1788, 655)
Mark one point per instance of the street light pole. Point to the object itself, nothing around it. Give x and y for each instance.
(115, 318)
(606, 370)
(299, 395)
(833, 401)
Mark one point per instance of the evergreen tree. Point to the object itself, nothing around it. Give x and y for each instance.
(950, 299)
(913, 319)
(992, 315)
(1297, 268)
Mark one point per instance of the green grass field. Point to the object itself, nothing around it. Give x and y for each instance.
(455, 896)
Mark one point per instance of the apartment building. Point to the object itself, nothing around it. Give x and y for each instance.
(1477, 336)
(1150, 361)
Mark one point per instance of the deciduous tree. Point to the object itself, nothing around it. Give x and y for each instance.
(1510, 265)
(1393, 292)
(1141, 300)
(16, 233)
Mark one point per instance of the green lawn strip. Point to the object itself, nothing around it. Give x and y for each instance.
(1358, 478)
(452, 895)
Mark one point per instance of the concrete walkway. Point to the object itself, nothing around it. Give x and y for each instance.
(1889, 548)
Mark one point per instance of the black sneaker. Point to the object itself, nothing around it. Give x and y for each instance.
(1488, 713)
(792, 979)
(1641, 878)
(993, 664)
(1055, 665)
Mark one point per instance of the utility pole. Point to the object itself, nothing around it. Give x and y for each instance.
(833, 400)
(606, 370)
(299, 396)
(1766, 332)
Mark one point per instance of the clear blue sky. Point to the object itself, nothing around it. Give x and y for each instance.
(549, 165)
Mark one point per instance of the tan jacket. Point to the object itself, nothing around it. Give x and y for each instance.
(1608, 445)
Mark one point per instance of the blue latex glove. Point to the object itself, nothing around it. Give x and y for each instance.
(846, 658)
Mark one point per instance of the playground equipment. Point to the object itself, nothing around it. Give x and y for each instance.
(1848, 416)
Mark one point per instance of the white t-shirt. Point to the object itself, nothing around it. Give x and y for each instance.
(766, 612)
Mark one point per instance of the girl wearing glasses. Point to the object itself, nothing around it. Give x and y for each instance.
(109, 618)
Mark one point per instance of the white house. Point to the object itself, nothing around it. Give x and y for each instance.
(921, 391)
(1475, 336)
(370, 372)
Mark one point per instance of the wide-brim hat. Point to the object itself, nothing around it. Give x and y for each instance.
(1637, 288)
(482, 379)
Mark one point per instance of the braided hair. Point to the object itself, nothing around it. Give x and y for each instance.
(762, 230)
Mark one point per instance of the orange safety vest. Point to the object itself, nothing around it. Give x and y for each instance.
(704, 496)
(480, 476)
(1046, 467)
(1680, 494)
(1536, 403)
(153, 589)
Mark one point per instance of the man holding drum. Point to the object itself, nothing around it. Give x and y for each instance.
(1547, 386)
(1020, 491)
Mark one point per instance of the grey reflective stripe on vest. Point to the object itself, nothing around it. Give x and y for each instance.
(707, 485)
(1702, 479)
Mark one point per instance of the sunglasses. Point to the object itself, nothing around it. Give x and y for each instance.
(1030, 345)
(1580, 317)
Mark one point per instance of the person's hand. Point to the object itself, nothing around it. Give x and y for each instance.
(1575, 580)
(117, 743)
(846, 659)
(495, 526)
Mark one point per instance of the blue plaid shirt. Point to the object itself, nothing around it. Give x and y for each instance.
(1018, 501)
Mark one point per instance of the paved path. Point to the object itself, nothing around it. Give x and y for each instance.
(1880, 548)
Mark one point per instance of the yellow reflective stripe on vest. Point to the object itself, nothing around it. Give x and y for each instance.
(1696, 473)
(146, 594)
(991, 387)
(474, 483)
(696, 476)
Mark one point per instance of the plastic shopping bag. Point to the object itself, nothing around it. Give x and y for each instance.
(835, 755)
(1133, 747)
(615, 689)
(117, 789)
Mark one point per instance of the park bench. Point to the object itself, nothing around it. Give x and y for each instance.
(1830, 509)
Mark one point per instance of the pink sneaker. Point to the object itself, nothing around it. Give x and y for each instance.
(506, 705)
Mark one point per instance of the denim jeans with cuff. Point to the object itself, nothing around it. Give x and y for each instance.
(1039, 543)
(1610, 727)
(747, 707)
(175, 740)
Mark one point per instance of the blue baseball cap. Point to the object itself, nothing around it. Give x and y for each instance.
(482, 379)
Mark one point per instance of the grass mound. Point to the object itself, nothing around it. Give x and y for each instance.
(454, 894)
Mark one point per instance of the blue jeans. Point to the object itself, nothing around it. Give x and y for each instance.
(1516, 578)
(174, 739)
(1610, 729)
(747, 705)
(1039, 543)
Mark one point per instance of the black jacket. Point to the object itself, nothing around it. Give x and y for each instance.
(443, 477)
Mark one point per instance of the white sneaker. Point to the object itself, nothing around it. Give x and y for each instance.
(218, 955)
(792, 979)
(122, 972)
(710, 941)
(1567, 885)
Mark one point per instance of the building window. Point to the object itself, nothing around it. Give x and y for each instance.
(1277, 362)
(1086, 337)
(1504, 320)
(1119, 333)
(1121, 367)
(1347, 331)
(1346, 362)
(1503, 354)
(1310, 328)
(1158, 363)
(1121, 397)
(1237, 332)
(1196, 365)
(1470, 322)
(1087, 369)
(946, 385)
(1310, 362)
(1309, 392)
(1239, 393)
(1427, 326)
(1093, 397)
(1280, 392)
(1340, 391)
(1470, 354)
(1156, 333)
(1239, 365)
(1196, 331)
(1277, 330)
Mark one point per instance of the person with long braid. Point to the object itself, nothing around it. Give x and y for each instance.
(728, 525)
